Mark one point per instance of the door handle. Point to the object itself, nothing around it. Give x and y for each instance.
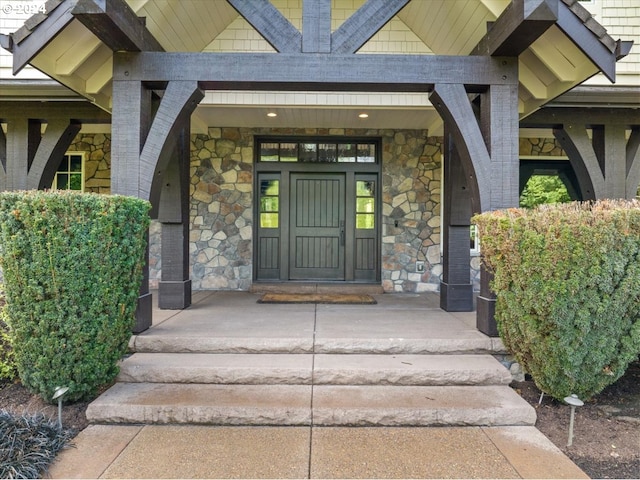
(342, 235)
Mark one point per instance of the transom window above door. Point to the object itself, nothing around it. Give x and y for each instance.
(317, 152)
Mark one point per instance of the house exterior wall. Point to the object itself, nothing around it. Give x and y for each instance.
(621, 19)
(222, 166)
(221, 213)
(97, 163)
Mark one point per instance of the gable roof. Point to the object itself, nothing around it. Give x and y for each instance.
(58, 43)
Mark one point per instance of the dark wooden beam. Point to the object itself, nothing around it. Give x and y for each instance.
(55, 142)
(364, 24)
(316, 26)
(249, 71)
(499, 126)
(633, 161)
(521, 23)
(78, 112)
(34, 137)
(453, 105)
(270, 23)
(178, 103)
(27, 45)
(575, 141)
(456, 290)
(116, 25)
(174, 289)
(555, 117)
(3, 151)
(6, 42)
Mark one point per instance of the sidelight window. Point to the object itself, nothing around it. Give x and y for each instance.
(365, 205)
(269, 203)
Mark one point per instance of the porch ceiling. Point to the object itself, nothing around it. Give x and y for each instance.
(68, 52)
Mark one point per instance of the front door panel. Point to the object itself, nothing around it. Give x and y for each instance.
(317, 227)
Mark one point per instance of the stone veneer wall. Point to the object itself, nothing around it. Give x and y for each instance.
(97, 164)
(540, 147)
(221, 213)
(222, 206)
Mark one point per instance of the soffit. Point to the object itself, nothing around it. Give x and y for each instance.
(549, 67)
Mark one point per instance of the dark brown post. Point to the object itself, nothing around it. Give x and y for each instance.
(456, 289)
(499, 125)
(174, 290)
(132, 117)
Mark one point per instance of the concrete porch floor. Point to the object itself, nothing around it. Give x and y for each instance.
(410, 323)
(407, 323)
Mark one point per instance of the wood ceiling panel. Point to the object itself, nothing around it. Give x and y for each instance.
(159, 25)
(296, 117)
(548, 53)
(187, 25)
(529, 80)
(445, 24)
(463, 21)
(83, 45)
(451, 27)
(100, 78)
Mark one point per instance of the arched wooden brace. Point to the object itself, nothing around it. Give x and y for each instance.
(487, 146)
(143, 145)
(29, 158)
(55, 142)
(605, 158)
(607, 165)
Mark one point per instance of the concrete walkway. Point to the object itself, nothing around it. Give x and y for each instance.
(178, 451)
(311, 451)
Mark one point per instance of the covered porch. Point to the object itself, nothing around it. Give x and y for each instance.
(471, 92)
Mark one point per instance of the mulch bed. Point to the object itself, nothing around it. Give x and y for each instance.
(606, 441)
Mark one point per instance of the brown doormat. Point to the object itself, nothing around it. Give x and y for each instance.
(334, 298)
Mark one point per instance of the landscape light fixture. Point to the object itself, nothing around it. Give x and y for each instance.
(58, 394)
(574, 402)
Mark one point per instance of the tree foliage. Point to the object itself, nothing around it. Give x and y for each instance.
(544, 189)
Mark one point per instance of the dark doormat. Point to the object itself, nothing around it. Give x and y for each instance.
(331, 298)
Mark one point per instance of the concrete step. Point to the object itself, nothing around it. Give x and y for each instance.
(149, 343)
(302, 369)
(162, 403)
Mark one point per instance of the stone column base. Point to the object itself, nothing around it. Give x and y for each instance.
(485, 317)
(174, 295)
(143, 313)
(456, 297)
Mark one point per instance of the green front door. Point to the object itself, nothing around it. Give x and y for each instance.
(317, 210)
(317, 227)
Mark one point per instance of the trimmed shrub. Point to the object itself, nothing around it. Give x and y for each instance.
(72, 266)
(567, 281)
(7, 361)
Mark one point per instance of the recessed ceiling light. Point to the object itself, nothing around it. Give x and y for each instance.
(364, 115)
(272, 114)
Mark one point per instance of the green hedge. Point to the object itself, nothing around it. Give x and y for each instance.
(567, 281)
(72, 267)
(7, 360)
